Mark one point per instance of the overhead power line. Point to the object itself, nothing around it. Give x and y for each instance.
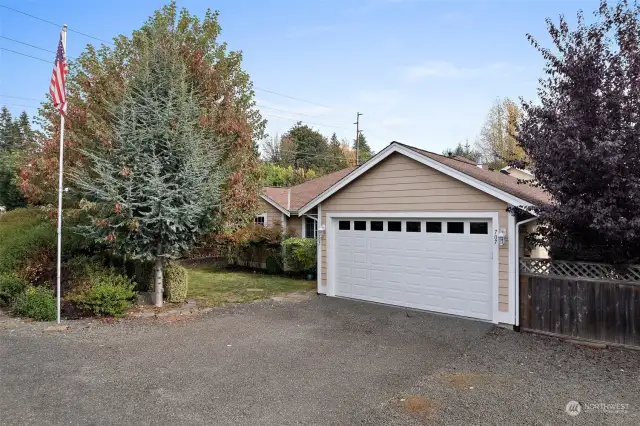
(291, 97)
(28, 56)
(284, 110)
(27, 44)
(19, 97)
(20, 105)
(54, 24)
(306, 122)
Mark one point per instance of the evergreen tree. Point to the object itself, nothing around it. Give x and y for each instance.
(23, 128)
(6, 129)
(11, 144)
(156, 188)
(463, 151)
(97, 79)
(310, 146)
(364, 150)
(335, 159)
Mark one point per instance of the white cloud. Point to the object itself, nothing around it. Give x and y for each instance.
(444, 69)
(394, 122)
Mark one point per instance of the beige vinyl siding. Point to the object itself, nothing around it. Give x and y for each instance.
(274, 216)
(400, 184)
(294, 223)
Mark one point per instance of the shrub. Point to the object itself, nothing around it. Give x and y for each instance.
(24, 232)
(299, 254)
(37, 303)
(175, 282)
(274, 265)
(11, 287)
(106, 293)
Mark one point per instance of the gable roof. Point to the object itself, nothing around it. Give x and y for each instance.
(499, 185)
(499, 180)
(303, 193)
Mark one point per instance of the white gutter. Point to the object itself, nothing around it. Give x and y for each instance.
(517, 268)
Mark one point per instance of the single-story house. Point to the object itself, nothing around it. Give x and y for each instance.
(415, 229)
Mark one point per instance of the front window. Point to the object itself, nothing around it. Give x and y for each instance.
(261, 219)
(310, 228)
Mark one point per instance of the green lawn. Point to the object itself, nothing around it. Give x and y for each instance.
(213, 287)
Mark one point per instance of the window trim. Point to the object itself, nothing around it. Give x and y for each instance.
(304, 227)
(264, 216)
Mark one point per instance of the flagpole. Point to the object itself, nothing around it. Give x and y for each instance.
(60, 191)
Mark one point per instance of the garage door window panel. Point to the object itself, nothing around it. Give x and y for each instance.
(377, 225)
(359, 225)
(434, 227)
(344, 225)
(479, 228)
(413, 226)
(394, 226)
(455, 227)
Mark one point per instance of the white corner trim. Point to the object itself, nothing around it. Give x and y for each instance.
(514, 286)
(321, 289)
(516, 268)
(395, 147)
(303, 234)
(498, 317)
(284, 222)
(274, 204)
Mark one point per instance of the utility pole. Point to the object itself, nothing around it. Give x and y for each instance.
(357, 123)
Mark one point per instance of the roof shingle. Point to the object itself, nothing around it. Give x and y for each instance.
(499, 180)
(305, 192)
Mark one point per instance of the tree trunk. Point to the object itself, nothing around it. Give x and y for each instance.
(157, 295)
(158, 268)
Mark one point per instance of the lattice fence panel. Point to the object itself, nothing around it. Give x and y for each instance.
(584, 270)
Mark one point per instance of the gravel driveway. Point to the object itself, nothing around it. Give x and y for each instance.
(315, 360)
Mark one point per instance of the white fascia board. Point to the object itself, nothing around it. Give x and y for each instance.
(395, 147)
(274, 204)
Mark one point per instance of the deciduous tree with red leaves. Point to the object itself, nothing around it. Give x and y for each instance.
(583, 136)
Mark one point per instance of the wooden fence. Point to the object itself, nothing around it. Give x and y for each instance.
(582, 300)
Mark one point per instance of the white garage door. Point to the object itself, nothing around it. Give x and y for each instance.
(441, 265)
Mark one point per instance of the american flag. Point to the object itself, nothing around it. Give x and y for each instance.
(57, 89)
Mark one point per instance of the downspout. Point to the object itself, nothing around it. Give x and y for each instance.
(517, 270)
(289, 200)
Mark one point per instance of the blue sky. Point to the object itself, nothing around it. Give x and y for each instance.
(423, 72)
